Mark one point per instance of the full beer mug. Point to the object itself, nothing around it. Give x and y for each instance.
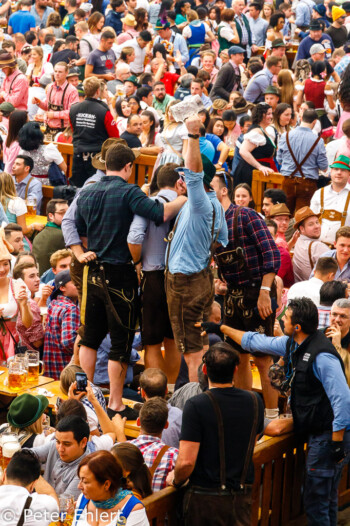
(16, 376)
(35, 366)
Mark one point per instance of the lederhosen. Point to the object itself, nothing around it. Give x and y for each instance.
(334, 215)
(51, 132)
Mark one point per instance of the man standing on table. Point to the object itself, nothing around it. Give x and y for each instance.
(199, 227)
(110, 300)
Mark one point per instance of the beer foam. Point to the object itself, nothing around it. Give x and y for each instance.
(10, 448)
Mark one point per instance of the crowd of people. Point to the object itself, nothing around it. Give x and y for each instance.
(187, 272)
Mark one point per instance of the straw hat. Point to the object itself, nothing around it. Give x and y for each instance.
(302, 214)
(128, 20)
(5, 247)
(280, 210)
(99, 160)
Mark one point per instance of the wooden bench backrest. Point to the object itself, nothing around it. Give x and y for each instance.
(261, 182)
(142, 168)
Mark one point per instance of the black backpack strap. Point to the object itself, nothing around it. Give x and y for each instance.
(25, 507)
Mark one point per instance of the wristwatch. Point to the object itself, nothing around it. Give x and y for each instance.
(193, 136)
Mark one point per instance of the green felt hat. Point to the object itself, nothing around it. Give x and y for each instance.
(26, 409)
(208, 169)
(342, 162)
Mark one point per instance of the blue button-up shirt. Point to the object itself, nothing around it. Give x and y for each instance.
(35, 190)
(326, 368)
(152, 238)
(41, 22)
(340, 275)
(69, 229)
(301, 140)
(257, 85)
(179, 43)
(190, 247)
(259, 29)
(303, 12)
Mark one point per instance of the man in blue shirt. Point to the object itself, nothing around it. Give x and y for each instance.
(316, 37)
(314, 375)
(341, 253)
(199, 226)
(40, 10)
(257, 24)
(22, 21)
(303, 13)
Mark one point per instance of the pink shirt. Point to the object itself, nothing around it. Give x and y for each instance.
(343, 117)
(70, 97)
(344, 149)
(18, 95)
(127, 35)
(10, 155)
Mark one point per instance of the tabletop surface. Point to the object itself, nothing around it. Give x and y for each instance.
(4, 389)
(36, 219)
(55, 389)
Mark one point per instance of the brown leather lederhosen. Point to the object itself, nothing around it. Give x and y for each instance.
(56, 107)
(302, 162)
(334, 215)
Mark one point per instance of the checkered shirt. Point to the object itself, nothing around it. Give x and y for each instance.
(63, 320)
(323, 317)
(150, 447)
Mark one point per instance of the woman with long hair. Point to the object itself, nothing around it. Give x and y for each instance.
(182, 8)
(267, 11)
(15, 207)
(31, 142)
(281, 120)
(148, 134)
(38, 67)
(243, 196)
(141, 20)
(215, 134)
(173, 139)
(134, 103)
(137, 476)
(100, 476)
(123, 111)
(258, 148)
(96, 22)
(344, 100)
(54, 23)
(301, 73)
(286, 85)
(11, 147)
(317, 90)
(214, 18)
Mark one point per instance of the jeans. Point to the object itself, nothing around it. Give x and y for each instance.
(322, 480)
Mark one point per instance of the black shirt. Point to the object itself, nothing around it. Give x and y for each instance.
(66, 55)
(199, 424)
(339, 35)
(132, 140)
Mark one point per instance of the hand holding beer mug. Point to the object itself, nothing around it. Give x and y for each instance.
(31, 206)
(34, 365)
(17, 376)
(9, 448)
(66, 504)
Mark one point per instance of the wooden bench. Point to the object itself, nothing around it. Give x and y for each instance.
(261, 182)
(142, 169)
(277, 491)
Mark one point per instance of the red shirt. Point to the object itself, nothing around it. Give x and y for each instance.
(286, 269)
(170, 79)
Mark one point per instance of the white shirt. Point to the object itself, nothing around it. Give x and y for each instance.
(332, 201)
(332, 148)
(301, 261)
(12, 499)
(307, 289)
(226, 31)
(137, 66)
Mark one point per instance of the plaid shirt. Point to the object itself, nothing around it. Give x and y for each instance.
(260, 251)
(105, 212)
(323, 316)
(63, 322)
(150, 447)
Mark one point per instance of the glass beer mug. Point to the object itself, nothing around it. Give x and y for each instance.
(35, 366)
(16, 376)
(10, 444)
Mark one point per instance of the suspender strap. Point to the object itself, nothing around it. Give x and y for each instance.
(345, 212)
(221, 438)
(309, 253)
(251, 440)
(27, 187)
(170, 238)
(14, 78)
(297, 164)
(25, 507)
(322, 203)
(158, 459)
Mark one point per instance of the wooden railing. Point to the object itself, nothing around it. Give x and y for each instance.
(277, 491)
(261, 182)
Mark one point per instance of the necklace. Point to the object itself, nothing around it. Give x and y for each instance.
(113, 501)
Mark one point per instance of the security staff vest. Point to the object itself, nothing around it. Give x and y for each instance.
(87, 119)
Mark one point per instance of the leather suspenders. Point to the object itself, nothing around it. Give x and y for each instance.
(297, 164)
(334, 215)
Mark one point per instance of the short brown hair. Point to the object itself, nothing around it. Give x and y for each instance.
(104, 466)
(273, 61)
(227, 15)
(91, 85)
(326, 265)
(154, 382)
(63, 64)
(20, 267)
(154, 415)
(119, 156)
(67, 376)
(343, 231)
(58, 255)
(51, 206)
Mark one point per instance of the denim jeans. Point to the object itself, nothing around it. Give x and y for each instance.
(322, 480)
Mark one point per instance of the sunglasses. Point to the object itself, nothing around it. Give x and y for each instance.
(224, 176)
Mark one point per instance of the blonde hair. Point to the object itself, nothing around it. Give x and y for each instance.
(36, 428)
(39, 51)
(192, 15)
(286, 85)
(91, 85)
(58, 255)
(267, 5)
(83, 26)
(167, 121)
(67, 377)
(7, 189)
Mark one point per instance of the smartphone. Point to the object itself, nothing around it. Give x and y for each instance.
(81, 380)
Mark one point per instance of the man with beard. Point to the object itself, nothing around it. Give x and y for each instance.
(161, 98)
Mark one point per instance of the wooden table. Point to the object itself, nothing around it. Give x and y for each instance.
(55, 388)
(4, 389)
(42, 220)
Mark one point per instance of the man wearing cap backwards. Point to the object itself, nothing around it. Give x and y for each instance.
(172, 42)
(229, 76)
(60, 96)
(316, 36)
(142, 47)
(308, 248)
(103, 217)
(301, 156)
(15, 86)
(272, 96)
(333, 201)
(62, 325)
(100, 62)
(337, 30)
(189, 281)
(92, 123)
